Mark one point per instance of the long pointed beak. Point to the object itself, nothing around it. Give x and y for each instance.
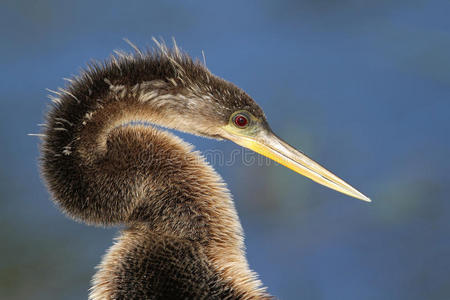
(271, 146)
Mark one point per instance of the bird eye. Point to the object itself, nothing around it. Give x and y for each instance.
(240, 120)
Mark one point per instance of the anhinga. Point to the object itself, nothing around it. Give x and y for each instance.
(182, 236)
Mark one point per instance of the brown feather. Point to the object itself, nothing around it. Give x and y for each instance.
(183, 239)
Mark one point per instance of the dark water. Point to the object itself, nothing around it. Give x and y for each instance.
(361, 86)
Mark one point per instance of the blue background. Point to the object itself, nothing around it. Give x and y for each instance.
(363, 87)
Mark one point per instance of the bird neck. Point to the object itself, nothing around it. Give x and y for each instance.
(101, 172)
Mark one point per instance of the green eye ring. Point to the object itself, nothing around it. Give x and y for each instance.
(241, 120)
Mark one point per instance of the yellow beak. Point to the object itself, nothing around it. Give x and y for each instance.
(271, 146)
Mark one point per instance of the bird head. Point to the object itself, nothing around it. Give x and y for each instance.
(209, 106)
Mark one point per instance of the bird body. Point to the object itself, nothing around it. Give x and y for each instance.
(182, 236)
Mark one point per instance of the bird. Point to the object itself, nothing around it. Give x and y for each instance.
(109, 157)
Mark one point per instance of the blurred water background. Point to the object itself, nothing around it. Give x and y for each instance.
(363, 87)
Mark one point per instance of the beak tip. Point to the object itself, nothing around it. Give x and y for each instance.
(364, 198)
